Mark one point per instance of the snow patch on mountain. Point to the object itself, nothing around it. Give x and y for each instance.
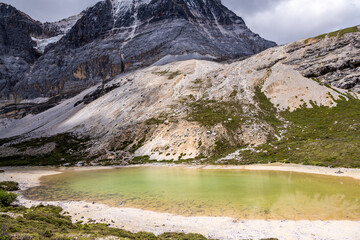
(122, 6)
(62, 27)
(66, 24)
(41, 44)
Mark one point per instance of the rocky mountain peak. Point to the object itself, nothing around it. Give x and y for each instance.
(198, 11)
(115, 36)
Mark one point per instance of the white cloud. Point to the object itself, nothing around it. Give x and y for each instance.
(293, 20)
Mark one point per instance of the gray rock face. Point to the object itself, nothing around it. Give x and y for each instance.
(333, 60)
(17, 52)
(143, 32)
(16, 49)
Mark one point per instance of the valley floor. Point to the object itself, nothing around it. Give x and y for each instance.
(211, 227)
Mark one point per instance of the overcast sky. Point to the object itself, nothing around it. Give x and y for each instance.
(282, 21)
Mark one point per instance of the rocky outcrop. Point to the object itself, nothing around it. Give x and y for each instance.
(333, 59)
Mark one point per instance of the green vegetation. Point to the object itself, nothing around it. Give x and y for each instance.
(170, 75)
(161, 73)
(67, 150)
(338, 34)
(158, 120)
(47, 222)
(6, 198)
(155, 121)
(9, 186)
(320, 136)
(222, 149)
(210, 112)
(268, 112)
(138, 145)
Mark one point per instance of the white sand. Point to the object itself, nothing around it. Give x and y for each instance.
(212, 227)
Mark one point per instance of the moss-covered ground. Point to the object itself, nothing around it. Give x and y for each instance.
(48, 222)
(210, 112)
(68, 150)
(338, 34)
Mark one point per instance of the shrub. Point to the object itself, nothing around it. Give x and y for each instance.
(4, 237)
(7, 198)
(48, 234)
(9, 186)
(48, 214)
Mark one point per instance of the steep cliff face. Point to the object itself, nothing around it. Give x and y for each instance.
(22, 42)
(16, 48)
(134, 34)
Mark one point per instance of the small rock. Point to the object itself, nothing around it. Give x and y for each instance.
(79, 164)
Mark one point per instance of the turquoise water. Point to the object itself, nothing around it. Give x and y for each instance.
(197, 192)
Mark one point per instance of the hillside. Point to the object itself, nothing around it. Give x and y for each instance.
(281, 105)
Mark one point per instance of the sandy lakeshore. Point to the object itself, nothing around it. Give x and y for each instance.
(211, 227)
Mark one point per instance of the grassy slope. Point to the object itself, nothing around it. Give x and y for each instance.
(320, 136)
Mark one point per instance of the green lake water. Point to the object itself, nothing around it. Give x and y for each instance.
(197, 192)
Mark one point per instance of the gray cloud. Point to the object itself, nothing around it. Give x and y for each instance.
(51, 10)
(287, 21)
(278, 20)
(250, 7)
